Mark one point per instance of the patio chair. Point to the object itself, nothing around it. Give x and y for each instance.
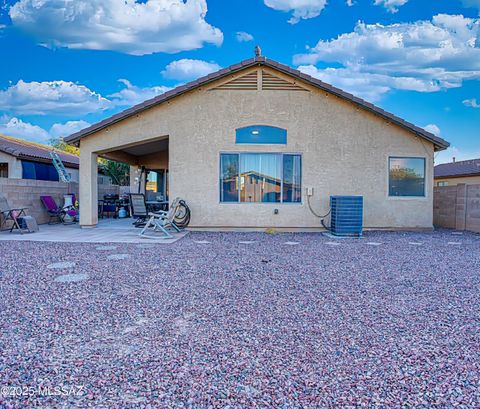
(9, 214)
(138, 208)
(58, 213)
(162, 221)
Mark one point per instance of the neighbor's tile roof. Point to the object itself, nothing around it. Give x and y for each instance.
(461, 168)
(34, 151)
(439, 143)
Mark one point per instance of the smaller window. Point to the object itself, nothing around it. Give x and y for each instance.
(261, 134)
(442, 184)
(3, 170)
(406, 177)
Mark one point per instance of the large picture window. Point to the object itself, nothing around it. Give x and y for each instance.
(260, 178)
(406, 176)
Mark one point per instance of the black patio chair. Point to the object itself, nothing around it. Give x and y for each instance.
(138, 209)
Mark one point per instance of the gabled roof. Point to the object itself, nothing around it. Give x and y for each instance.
(456, 169)
(34, 151)
(439, 143)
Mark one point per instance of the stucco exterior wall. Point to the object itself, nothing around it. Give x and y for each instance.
(344, 151)
(470, 180)
(14, 165)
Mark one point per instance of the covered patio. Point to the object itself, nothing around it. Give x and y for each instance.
(148, 161)
(107, 231)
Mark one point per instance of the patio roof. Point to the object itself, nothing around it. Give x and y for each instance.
(439, 143)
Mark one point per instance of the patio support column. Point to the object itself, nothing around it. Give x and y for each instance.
(88, 189)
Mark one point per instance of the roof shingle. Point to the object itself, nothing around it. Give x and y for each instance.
(34, 151)
(462, 168)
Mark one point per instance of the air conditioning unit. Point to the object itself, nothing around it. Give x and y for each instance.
(346, 215)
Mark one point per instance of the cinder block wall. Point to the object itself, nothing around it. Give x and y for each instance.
(26, 193)
(457, 207)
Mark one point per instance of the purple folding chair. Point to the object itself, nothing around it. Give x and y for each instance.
(58, 213)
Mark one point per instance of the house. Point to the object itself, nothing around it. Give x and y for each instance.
(455, 172)
(257, 144)
(20, 159)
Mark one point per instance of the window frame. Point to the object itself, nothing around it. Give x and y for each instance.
(281, 154)
(407, 197)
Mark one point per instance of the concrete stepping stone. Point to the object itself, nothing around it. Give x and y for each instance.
(454, 243)
(106, 248)
(71, 278)
(457, 233)
(247, 242)
(118, 256)
(61, 265)
(202, 241)
(415, 243)
(374, 243)
(291, 243)
(332, 243)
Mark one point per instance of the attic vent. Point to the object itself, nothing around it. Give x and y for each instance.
(271, 82)
(247, 82)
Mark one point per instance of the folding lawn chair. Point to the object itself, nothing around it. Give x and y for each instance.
(138, 209)
(10, 214)
(56, 212)
(162, 222)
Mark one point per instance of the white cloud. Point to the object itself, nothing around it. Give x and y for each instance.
(132, 95)
(17, 128)
(459, 154)
(432, 128)
(350, 3)
(67, 128)
(391, 5)
(424, 56)
(243, 37)
(300, 9)
(187, 69)
(24, 130)
(127, 26)
(42, 98)
(471, 103)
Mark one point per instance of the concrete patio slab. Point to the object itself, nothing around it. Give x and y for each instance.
(107, 231)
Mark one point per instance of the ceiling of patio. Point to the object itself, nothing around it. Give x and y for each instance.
(133, 153)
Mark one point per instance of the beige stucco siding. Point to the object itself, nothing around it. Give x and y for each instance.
(469, 180)
(344, 151)
(14, 165)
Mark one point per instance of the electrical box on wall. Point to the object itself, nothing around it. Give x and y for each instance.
(309, 191)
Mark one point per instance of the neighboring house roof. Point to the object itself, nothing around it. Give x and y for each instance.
(35, 152)
(458, 169)
(439, 143)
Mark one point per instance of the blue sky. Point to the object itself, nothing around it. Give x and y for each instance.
(69, 64)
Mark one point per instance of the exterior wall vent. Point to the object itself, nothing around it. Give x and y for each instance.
(272, 82)
(247, 82)
(347, 215)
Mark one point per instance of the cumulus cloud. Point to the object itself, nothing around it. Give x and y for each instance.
(127, 26)
(424, 56)
(12, 126)
(472, 103)
(243, 37)
(432, 128)
(17, 128)
(187, 69)
(62, 130)
(42, 98)
(300, 9)
(391, 5)
(131, 94)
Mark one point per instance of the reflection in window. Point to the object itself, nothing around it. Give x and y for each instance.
(257, 178)
(406, 176)
(229, 178)
(3, 170)
(261, 177)
(292, 178)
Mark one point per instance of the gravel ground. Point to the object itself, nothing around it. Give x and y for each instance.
(243, 320)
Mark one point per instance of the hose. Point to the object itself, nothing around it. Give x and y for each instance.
(182, 216)
(322, 217)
